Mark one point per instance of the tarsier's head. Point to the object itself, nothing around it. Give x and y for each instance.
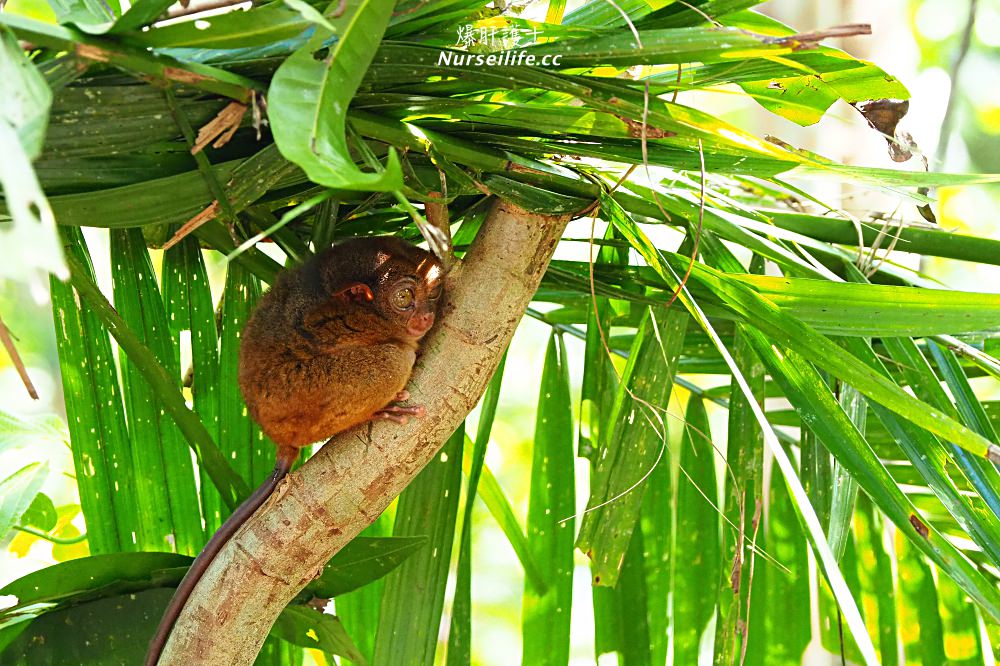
(395, 285)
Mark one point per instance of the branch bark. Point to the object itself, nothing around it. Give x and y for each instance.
(351, 480)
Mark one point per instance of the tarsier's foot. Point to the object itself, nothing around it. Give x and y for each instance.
(398, 414)
(401, 396)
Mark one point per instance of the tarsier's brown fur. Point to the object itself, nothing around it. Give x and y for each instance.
(329, 347)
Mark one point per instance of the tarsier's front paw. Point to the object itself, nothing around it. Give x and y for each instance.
(398, 413)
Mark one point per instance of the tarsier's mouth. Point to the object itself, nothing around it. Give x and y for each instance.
(420, 323)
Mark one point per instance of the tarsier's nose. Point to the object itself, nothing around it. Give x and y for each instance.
(421, 322)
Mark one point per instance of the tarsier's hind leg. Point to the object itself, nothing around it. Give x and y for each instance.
(334, 391)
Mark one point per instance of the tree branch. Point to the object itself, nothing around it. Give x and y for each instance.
(350, 481)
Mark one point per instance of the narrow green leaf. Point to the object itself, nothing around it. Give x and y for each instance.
(308, 101)
(95, 416)
(500, 508)
(636, 444)
(112, 630)
(779, 627)
(743, 502)
(917, 608)
(414, 593)
(164, 385)
(621, 612)
(867, 309)
(191, 318)
(656, 520)
(460, 633)
(697, 557)
(845, 488)
(934, 242)
(784, 329)
(236, 29)
(962, 639)
(883, 582)
(545, 618)
(810, 396)
(168, 503)
(244, 445)
(137, 60)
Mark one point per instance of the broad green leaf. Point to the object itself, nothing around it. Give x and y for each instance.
(37, 431)
(141, 13)
(308, 101)
(311, 15)
(696, 555)
(364, 560)
(76, 581)
(359, 610)
(18, 491)
(112, 630)
(545, 618)
(30, 236)
(310, 628)
(41, 513)
(414, 593)
(807, 92)
(25, 98)
(91, 16)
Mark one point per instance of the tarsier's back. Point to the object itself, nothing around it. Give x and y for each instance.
(334, 340)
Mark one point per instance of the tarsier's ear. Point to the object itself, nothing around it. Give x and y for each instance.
(357, 291)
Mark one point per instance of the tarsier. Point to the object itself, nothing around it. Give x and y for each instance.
(329, 347)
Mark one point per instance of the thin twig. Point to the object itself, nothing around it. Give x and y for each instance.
(15, 358)
(947, 123)
(803, 40)
(203, 7)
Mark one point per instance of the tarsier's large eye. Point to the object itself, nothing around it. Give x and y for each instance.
(402, 299)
